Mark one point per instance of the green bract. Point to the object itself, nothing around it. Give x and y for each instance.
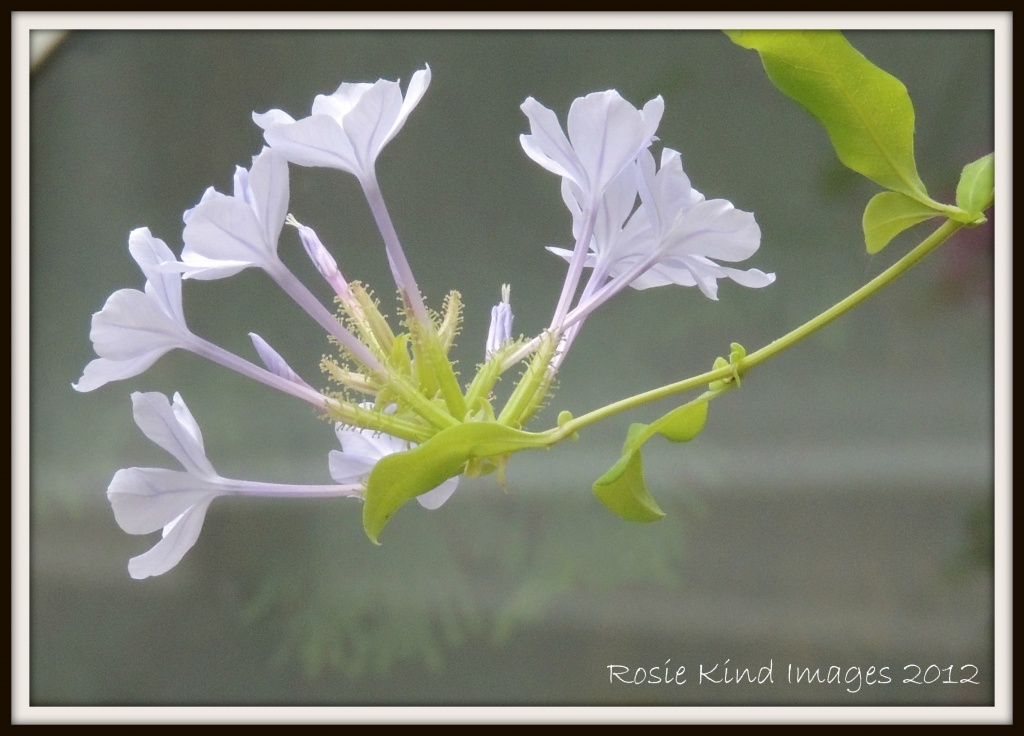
(398, 478)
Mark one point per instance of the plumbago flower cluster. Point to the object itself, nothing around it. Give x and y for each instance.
(407, 423)
(634, 223)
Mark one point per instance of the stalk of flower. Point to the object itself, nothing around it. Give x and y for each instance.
(347, 130)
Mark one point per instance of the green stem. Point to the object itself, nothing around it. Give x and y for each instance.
(772, 349)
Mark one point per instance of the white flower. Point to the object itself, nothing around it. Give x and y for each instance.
(145, 500)
(605, 135)
(348, 129)
(362, 448)
(225, 234)
(135, 328)
(672, 236)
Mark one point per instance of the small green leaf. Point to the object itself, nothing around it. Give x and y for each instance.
(398, 478)
(890, 213)
(682, 424)
(976, 190)
(622, 489)
(736, 355)
(866, 111)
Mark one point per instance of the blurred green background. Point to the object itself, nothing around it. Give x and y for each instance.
(836, 510)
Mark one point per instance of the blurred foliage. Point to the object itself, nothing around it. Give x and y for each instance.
(334, 615)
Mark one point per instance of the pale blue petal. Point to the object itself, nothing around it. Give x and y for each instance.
(145, 500)
(272, 117)
(153, 255)
(369, 443)
(435, 498)
(132, 324)
(268, 183)
(548, 146)
(101, 371)
(318, 140)
(714, 229)
(566, 255)
(348, 467)
(220, 235)
(413, 94)
(606, 133)
(368, 125)
(179, 537)
(341, 103)
(174, 430)
(752, 278)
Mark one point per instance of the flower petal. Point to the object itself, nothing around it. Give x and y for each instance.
(222, 237)
(348, 467)
(152, 255)
(132, 324)
(369, 443)
(413, 94)
(268, 183)
(436, 498)
(179, 537)
(607, 133)
(714, 229)
(174, 429)
(547, 145)
(101, 371)
(348, 129)
(318, 140)
(147, 499)
(368, 125)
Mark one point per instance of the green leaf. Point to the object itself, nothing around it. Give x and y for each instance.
(890, 213)
(866, 111)
(398, 478)
(682, 424)
(976, 190)
(622, 489)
